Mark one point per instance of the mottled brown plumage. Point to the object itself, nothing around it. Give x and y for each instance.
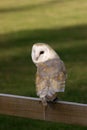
(50, 79)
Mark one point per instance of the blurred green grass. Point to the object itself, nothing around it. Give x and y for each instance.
(61, 24)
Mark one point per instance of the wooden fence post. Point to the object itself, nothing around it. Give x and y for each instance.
(64, 112)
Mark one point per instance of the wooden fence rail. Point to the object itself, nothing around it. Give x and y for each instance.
(65, 112)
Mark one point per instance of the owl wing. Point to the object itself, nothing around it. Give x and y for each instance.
(57, 81)
(41, 85)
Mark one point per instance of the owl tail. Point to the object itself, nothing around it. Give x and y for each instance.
(52, 98)
(44, 102)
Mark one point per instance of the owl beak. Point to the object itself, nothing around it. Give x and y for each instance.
(37, 58)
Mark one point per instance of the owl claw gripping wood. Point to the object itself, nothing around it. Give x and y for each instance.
(51, 72)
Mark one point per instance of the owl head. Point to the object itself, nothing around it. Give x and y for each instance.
(42, 52)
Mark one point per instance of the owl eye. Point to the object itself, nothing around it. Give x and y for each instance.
(42, 52)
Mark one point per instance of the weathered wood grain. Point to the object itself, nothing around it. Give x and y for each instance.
(64, 112)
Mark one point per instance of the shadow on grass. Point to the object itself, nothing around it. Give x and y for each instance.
(59, 35)
(30, 7)
(71, 40)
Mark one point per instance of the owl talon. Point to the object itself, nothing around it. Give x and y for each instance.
(56, 99)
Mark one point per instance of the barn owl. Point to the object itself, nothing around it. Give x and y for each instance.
(51, 72)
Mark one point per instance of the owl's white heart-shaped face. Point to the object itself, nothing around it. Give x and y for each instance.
(42, 52)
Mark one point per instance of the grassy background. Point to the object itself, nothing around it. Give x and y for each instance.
(63, 25)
